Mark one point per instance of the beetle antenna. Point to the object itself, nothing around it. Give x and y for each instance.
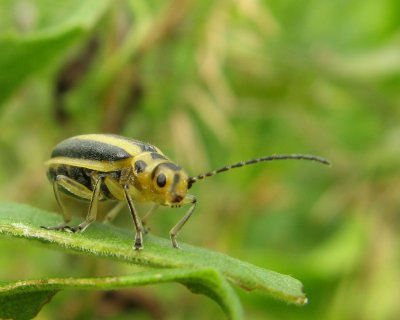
(274, 157)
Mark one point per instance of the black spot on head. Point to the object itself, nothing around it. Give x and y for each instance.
(169, 165)
(140, 165)
(148, 147)
(175, 181)
(156, 155)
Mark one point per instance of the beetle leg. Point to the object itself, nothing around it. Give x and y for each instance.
(73, 187)
(175, 230)
(147, 216)
(110, 216)
(66, 215)
(92, 212)
(78, 189)
(136, 219)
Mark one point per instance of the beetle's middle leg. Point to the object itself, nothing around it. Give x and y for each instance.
(92, 213)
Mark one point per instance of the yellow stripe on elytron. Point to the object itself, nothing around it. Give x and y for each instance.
(129, 146)
(102, 166)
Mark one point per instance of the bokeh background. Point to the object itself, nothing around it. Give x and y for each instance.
(212, 83)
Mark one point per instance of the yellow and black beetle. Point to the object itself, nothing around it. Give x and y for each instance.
(97, 167)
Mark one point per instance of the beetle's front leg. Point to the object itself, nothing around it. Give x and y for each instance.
(175, 230)
(136, 219)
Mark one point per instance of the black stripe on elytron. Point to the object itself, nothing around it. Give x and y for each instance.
(89, 150)
(142, 145)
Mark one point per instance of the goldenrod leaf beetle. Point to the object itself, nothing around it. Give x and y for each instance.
(96, 167)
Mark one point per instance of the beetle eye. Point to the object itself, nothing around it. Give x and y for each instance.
(161, 180)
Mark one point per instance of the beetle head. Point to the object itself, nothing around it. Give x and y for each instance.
(160, 180)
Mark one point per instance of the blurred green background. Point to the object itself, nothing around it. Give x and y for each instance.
(212, 83)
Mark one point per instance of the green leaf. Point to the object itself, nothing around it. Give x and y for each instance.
(33, 294)
(23, 55)
(101, 240)
(33, 302)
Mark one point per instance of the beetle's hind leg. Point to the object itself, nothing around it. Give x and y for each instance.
(66, 215)
(110, 216)
(146, 217)
(83, 192)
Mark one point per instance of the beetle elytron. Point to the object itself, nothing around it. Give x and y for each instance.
(97, 167)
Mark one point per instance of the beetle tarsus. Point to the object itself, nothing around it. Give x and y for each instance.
(138, 245)
(64, 227)
(174, 242)
(75, 229)
(61, 227)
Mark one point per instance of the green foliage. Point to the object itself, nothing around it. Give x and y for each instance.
(33, 301)
(41, 47)
(34, 294)
(201, 270)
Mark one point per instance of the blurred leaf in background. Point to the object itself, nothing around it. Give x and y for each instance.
(211, 83)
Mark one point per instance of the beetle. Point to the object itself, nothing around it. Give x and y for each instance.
(98, 167)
